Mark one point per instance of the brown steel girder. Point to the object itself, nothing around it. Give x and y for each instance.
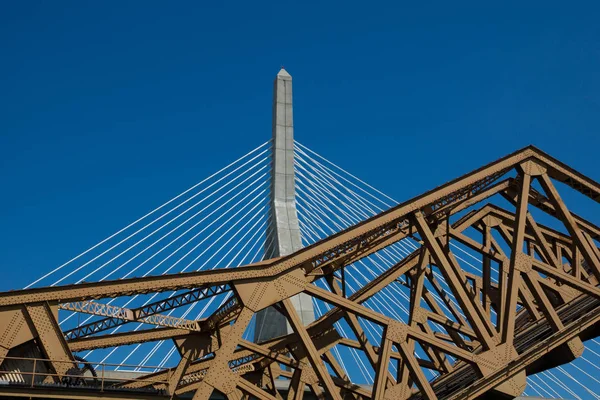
(536, 297)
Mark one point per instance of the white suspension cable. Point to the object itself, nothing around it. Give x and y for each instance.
(212, 244)
(361, 262)
(230, 199)
(216, 241)
(358, 211)
(532, 382)
(143, 217)
(216, 230)
(320, 193)
(560, 384)
(192, 238)
(346, 172)
(545, 383)
(373, 274)
(165, 235)
(112, 247)
(561, 369)
(354, 197)
(190, 308)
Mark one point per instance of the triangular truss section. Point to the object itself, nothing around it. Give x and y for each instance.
(466, 333)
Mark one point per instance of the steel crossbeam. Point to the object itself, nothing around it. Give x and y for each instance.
(148, 314)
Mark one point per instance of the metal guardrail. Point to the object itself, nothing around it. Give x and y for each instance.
(36, 372)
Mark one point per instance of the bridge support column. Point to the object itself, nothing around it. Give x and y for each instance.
(283, 235)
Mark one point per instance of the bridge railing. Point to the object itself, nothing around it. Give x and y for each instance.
(40, 372)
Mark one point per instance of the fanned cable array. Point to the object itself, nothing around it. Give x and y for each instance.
(220, 222)
(330, 199)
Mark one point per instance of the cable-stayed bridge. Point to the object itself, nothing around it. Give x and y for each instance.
(282, 275)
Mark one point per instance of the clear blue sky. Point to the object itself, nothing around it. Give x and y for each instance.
(109, 109)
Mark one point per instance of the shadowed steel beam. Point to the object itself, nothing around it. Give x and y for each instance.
(513, 275)
(532, 353)
(284, 230)
(311, 351)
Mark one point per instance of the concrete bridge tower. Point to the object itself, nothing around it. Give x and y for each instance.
(284, 230)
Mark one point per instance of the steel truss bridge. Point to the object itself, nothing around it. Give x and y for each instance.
(483, 287)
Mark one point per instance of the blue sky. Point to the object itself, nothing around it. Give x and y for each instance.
(106, 112)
